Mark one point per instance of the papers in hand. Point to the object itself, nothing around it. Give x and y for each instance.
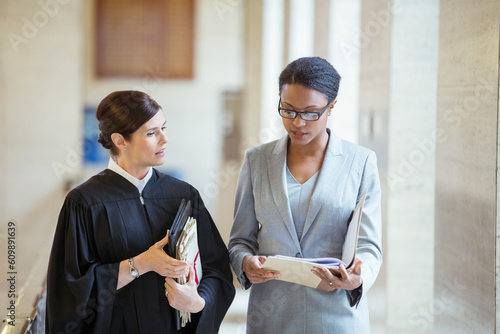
(298, 270)
(184, 235)
(187, 250)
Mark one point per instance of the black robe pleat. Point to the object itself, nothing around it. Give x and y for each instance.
(103, 222)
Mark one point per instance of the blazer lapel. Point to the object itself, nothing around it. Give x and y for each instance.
(276, 167)
(328, 175)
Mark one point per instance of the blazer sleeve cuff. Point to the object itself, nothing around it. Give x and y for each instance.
(240, 274)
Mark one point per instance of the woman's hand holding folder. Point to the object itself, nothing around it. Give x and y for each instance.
(155, 259)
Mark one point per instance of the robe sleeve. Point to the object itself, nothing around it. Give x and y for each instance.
(80, 289)
(216, 285)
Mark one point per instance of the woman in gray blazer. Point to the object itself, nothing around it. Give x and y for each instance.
(294, 198)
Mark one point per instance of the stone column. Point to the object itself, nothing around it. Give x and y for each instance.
(253, 63)
(322, 24)
(466, 232)
(399, 48)
(344, 54)
(372, 43)
(411, 164)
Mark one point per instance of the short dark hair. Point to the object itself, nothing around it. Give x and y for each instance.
(123, 112)
(312, 72)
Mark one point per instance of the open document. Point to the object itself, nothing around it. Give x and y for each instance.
(298, 270)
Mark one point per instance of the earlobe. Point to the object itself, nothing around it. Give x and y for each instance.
(119, 141)
(331, 107)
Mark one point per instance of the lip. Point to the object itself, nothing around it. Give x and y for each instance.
(298, 134)
(161, 153)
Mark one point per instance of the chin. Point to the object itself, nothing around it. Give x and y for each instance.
(158, 162)
(299, 141)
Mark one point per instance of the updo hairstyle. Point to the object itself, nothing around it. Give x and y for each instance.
(312, 72)
(123, 112)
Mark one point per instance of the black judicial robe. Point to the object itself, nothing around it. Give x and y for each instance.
(103, 222)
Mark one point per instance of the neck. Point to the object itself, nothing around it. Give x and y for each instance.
(316, 147)
(138, 172)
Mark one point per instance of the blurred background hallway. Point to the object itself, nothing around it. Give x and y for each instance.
(420, 83)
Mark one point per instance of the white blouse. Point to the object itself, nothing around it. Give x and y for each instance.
(140, 184)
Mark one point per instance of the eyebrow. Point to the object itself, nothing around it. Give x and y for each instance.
(313, 106)
(154, 128)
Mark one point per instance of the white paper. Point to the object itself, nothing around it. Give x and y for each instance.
(187, 250)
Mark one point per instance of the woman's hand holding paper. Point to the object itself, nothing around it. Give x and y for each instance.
(252, 266)
(350, 279)
(184, 297)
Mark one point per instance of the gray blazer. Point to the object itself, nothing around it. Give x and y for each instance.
(263, 225)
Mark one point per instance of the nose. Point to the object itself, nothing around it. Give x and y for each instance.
(163, 138)
(298, 121)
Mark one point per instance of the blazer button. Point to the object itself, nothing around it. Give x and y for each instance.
(298, 255)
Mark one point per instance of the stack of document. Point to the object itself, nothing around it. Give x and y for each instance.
(183, 245)
(187, 250)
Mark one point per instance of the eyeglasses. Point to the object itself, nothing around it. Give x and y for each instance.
(305, 115)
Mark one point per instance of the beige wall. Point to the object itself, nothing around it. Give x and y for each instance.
(466, 163)
(40, 98)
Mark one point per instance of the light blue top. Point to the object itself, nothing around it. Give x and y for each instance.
(299, 197)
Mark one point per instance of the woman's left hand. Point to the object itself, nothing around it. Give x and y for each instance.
(184, 297)
(350, 279)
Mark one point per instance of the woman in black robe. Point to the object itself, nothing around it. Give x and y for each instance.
(108, 272)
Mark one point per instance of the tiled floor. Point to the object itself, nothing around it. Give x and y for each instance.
(234, 322)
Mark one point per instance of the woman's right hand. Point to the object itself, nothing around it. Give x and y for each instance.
(155, 259)
(252, 266)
